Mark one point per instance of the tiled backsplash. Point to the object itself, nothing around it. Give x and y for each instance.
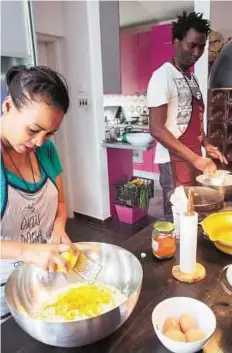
(132, 105)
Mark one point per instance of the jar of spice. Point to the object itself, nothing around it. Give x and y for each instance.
(163, 240)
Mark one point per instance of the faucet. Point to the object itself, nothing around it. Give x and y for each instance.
(128, 129)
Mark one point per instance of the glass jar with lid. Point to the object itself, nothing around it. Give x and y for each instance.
(163, 240)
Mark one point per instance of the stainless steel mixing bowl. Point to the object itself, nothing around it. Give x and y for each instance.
(29, 285)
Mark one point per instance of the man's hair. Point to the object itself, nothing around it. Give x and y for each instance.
(185, 22)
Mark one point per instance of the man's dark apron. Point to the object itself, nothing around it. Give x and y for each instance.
(180, 172)
(183, 172)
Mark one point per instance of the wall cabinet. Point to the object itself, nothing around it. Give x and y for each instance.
(129, 62)
(135, 61)
(110, 46)
(141, 54)
(16, 29)
(161, 45)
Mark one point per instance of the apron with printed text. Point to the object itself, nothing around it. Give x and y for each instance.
(27, 217)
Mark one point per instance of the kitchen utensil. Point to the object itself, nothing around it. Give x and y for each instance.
(87, 268)
(28, 286)
(226, 279)
(218, 227)
(133, 119)
(175, 307)
(139, 138)
(206, 199)
(112, 113)
(82, 265)
(221, 181)
(227, 249)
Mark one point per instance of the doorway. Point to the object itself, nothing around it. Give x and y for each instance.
(49, 53)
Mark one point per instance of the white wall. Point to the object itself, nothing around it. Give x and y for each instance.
(201, 67)
(89, 173)
(78, 23)
(221, 12)
(48, 17)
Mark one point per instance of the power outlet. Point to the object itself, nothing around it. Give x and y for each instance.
(83, 102)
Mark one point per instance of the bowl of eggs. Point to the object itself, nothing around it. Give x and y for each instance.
(183, 324)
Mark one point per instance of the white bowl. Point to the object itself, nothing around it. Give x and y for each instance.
(177, 306)
(139, 138)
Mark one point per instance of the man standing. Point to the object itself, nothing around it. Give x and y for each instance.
(176, 109)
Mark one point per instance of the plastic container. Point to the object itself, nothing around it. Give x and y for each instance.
(129, 215)
(128, 196)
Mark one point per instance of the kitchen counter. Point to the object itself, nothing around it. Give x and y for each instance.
(120, 165)
(135, 126)
(137, 334)
(127, 146)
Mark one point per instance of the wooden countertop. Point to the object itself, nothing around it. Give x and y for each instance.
(137, 334)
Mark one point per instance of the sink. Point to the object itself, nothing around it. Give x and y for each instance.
(139, 138)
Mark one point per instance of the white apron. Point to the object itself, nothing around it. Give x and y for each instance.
(28, 217)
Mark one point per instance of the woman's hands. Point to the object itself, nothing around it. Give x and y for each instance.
(59, 236)
(48, 256)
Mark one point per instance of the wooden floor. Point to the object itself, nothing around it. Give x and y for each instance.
(112, 232)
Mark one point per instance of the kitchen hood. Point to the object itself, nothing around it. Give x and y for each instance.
(221, 71)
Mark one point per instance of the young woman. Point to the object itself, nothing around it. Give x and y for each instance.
(33, 209)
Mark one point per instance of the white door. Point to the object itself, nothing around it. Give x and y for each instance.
(47, 55)
(42, 53)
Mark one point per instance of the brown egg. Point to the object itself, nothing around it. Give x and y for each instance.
(171, 324)
(187, 322)
(175, 335)
(194, 335)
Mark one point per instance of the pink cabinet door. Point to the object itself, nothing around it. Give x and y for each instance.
(138, 160)
(148, 161)
(138, 166)
(129, 62)
(145, 60)
(162, 48)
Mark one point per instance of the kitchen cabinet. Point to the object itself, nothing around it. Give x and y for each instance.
(145, 161)
(110, 46)
(129, 62)
(161, 45)
(16, 29)
(145, 60)
(136, 61)
(141, 54)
